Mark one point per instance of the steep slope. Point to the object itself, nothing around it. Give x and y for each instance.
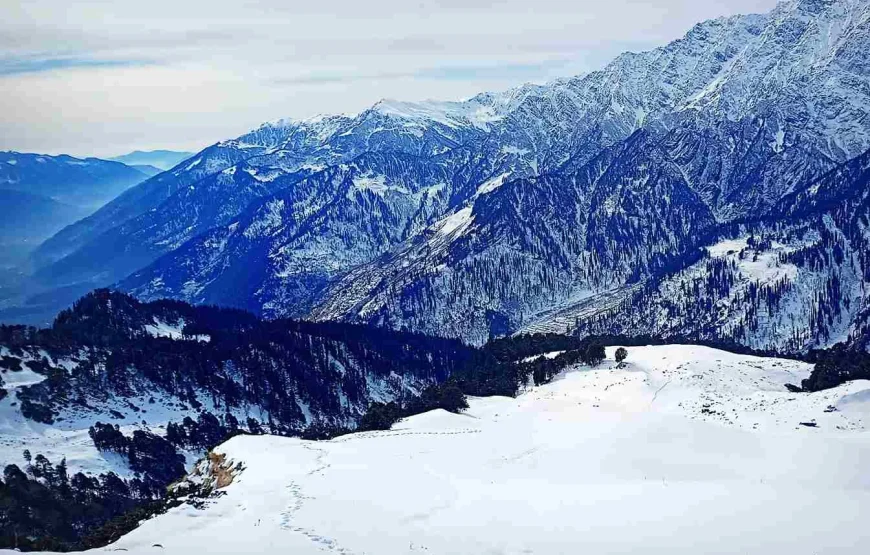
(697, 448)
(287, 247)
(795, 280)
(526, 244)
(137, 200)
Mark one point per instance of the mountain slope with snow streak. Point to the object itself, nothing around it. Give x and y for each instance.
(580, 188)
(552, 194)
(682, 450)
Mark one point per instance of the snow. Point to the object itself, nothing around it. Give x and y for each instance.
(419, 112)
(550, 355)
(492, 184)
(162, 329)
(450, 114)
(73, 443)
(193, 164)
(684, 450)
(778, 141)
(460, 220)
(13, 380)
(766, 269)
(510, 149)
(173, 331)
(269, 219)
(266, 177)
(376, 184)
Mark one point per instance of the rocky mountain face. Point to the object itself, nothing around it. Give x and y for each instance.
(794, 280)
(544, 207)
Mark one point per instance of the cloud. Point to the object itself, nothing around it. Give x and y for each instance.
(17, 67)
(517, 72)
(100, 77)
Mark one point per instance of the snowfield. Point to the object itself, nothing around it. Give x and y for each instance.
(682, 450)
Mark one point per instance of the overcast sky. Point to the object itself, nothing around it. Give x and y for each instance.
(103, 77)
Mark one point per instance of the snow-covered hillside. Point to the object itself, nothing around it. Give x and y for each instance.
(146, 367)
(682, 450)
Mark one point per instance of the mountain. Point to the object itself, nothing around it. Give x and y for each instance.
(160, 159)
(546, 205)
(672, 428)
(88, 182)
(149, 171)
(41, 194)
(290, 375)
(98, 229)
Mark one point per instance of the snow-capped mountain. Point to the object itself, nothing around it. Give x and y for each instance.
(507, 210)
(794, 280)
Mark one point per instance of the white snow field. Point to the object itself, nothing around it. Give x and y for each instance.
(683, 450)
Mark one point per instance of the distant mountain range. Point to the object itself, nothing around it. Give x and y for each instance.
(721, 173)
(160, 159)
(41, 194)
(85, 182)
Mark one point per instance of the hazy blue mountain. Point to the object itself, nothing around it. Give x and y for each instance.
(41, 194)
(160, 159)
(88, 182)
(149, 171)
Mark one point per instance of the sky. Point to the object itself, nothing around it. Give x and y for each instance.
(105, 77)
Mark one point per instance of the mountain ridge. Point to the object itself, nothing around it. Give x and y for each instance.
(736, 115)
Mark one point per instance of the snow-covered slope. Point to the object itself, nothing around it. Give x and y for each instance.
(683, 450)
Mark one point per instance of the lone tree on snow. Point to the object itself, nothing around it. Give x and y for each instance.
(621, 354)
